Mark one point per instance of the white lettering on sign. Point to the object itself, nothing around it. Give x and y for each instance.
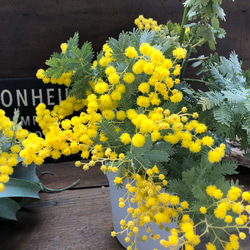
(34, 119)
(60, 94)
(31, 97)
(25, 120)
(49, 96)
(21, 97)
(7, 102)
(39, 133)
(25, 99)
(28, 120)
(34, 97)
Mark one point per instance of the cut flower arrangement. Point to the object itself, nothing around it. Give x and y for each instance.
(132, 111)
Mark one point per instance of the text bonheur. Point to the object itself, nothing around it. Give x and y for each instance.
(31, 97)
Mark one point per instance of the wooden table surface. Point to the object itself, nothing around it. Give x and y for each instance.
(79, 218)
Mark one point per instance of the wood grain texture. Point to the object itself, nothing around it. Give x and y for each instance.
(32, 30)
(238, 30)
(65, 173)
(79, 219)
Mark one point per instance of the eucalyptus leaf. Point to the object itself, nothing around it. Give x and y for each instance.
(196, 64)
(26, 173)
(20, 188)
(8, 208)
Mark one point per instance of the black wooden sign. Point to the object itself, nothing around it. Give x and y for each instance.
(25, 94)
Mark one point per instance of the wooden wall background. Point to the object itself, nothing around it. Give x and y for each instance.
(31, 30)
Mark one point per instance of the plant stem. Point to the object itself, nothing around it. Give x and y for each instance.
(194, 80)
(185, 62)
(181, 39)
(183, 23)
(51, 190)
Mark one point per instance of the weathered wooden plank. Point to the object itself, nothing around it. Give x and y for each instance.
(31, 31)
(238, 30)
(65, 173)
(78, 219)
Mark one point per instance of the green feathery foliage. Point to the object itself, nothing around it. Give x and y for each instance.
(227, 100)
(73, 58)
(209, 12)
(108, 129)
(193, 175)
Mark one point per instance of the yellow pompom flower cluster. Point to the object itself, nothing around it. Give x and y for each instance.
(45, 118)
(179, 53)
(144, 23)
(131, 52)
(64, 79)
(162, 73)
(9, 150)
(216, 154)
(152, 120)
(234, 209)
(7, 162)
(107, 56)
(153, 63)
(63, 47)
(146, 203)
(63, 137)
(6, 124)
(32, 151)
